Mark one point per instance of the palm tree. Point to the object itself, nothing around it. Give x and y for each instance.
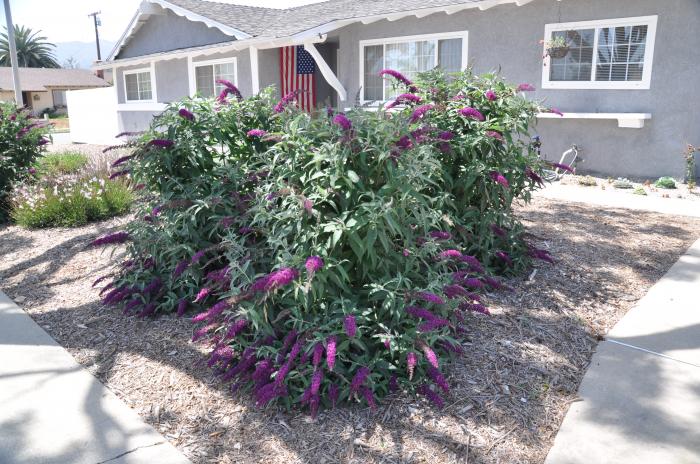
(32, 49)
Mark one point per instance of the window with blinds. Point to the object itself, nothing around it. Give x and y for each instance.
(206, 75)
(138, 85)
(409, 56)
(613, 54)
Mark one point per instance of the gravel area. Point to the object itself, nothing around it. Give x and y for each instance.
(510, 391)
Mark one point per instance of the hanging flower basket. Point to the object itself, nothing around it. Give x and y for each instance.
(558, 52)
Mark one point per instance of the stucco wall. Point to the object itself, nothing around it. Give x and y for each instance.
(171, 80)
(168, 31)
(269, 68)
(507, 37)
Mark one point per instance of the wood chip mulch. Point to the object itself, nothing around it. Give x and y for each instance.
(509, 392)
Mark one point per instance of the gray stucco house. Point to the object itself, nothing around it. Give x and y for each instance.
(628, 85)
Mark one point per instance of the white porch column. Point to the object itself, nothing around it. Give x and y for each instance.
(254, 70)
(327, 72)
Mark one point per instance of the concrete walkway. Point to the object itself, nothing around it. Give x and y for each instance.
(52, 411)
(612, 198)
(641, 394)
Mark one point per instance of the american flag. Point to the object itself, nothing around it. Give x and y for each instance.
(297, 74)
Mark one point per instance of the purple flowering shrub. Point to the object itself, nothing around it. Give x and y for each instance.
(21, 142)
(334, 257)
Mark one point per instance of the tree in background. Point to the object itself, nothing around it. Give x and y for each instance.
(33, 51)
(71, 63)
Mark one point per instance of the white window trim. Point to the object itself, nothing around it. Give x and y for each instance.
(151, 71)
(644, 84)
(464, 35)
(192, 76)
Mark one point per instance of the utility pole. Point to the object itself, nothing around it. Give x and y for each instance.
(97, 34)
(19, 101)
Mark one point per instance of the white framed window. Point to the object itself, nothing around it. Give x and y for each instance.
(604, 54)
(139, 85)
(409, 55)
(204, 74)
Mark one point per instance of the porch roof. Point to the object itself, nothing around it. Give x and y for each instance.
(42, 79)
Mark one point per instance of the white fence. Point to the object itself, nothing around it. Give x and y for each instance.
(93, 116)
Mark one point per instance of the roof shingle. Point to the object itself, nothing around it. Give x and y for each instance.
(270, 22)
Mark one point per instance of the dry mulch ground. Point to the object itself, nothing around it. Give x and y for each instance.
(510, 392)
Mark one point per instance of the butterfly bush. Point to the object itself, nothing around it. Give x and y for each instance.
(22, 141)
(332, 259)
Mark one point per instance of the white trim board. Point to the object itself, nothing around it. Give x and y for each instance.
(625, 120)
(464, 35)
(644, 84)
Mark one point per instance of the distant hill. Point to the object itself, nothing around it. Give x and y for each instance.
(83, 52)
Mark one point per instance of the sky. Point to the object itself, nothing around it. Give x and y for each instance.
(67, 20)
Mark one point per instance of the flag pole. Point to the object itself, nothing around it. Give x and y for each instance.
(13, 55)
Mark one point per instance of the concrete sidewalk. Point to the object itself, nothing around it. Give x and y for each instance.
(612, 198)
(641, 394)
(52, 411)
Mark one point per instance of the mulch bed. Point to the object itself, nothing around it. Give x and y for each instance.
(510, 391)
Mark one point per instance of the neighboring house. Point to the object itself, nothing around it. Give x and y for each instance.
(628, 85)
(45, 88)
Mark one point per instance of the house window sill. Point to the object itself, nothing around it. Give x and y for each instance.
(625, 120)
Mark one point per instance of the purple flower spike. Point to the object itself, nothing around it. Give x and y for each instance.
(499, 178)
(525, 88)
(430, 356)
(286, 100)
(230, 88)
(495, 135)
(432, 396)
(417, 311)
(432, 324)
(160, 143)
(472, 113)
(350, 326)
(119, 174)
(121, 160)
(446, 135)
(404, 98)
(197, 256)
(534, 176)
(393, 383)
(333, 394)
(118, 237)
(431, 297)
(505, 257)
(359, 379)
(497, 231)
(330, 352)
(440, 235)
(256, 133)
(318, 354)
(556, 111)
(180, 268)
(411, 361)
(438, 378)
(369, 397)
(396, 75)
(565, 167)
(203, 293)
(450, 254)
(181, 307)
(491, 95)
(419, 112)
(341, 120)
(186, 114)
(453, 291)
(313, 264)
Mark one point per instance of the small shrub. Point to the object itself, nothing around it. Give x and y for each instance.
(70, 202)
(621, 183)
(587, 181)
(53, 164)
(639, 191)
(21, 142)
(333, 258)
(665, 183)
